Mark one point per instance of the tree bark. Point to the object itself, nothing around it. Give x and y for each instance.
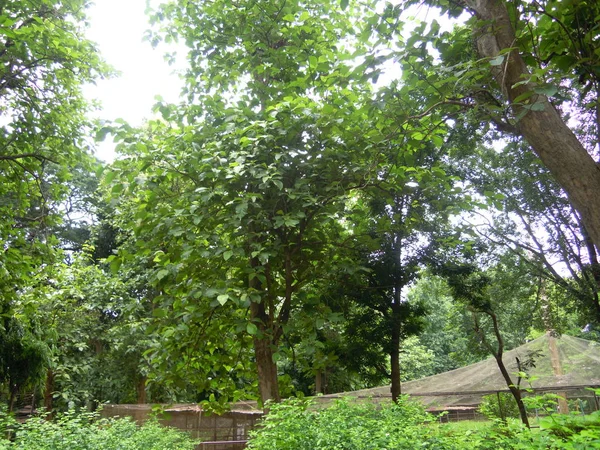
(545, 131)
(318, 382)
(14, 390)
(141, 390)
(563, 405)
(515, 391)
(395, 339)
(48, 391)
(263, 353)
(395, 363)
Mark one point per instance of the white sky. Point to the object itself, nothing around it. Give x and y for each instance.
(118, 27)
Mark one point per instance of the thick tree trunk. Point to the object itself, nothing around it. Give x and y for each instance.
(263, 352)
(546, 132)
(267, 370)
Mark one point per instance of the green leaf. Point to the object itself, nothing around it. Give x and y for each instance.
(498, 60)
(548, 90)
(160, 312)
(222, 299)
(117, 188)
(251, 328)
(162, 273)
(115, 264)
(523, 96)
(227, 255)
(102, 133)
(344, 4)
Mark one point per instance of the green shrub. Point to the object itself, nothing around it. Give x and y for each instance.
(506, 408)
(566, 426)
(83, 431)
(299, 425)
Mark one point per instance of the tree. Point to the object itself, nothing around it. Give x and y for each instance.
(529, 215)
(526, 53)
(445, 333)
(44, 60)
(237, 197)
(485, 294)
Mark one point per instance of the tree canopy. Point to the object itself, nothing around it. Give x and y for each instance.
(329, 186)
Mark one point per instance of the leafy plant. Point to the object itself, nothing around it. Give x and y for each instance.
(79, 431)
(300, 424)
(499, 406)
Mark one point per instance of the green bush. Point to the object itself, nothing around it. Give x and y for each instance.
(505, 409)
(348, 425)
(73, 431)
(299, 425)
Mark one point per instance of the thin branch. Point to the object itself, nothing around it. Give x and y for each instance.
(26, 155)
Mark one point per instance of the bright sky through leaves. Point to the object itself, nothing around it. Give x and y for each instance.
(118, 28)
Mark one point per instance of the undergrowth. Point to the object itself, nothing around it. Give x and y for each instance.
(86, 431)
(349, 425)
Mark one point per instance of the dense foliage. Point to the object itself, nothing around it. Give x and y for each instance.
(72, 431)
(342, 198)
(297, 424)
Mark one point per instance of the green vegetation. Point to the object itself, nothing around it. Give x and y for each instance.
(296, 424)
(501, 406)
(80, 431)
(344, 197)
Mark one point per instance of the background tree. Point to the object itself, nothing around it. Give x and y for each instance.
(529, 215)
(44, 60)
(513, 79)
(484, 294)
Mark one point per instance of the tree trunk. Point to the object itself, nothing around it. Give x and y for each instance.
(395, 354)
(546, 132)
(515, 391)
(267, 370)
(318, 382)
(141, 390)
(48, 392)
(595, 270)
(263, 353)
(396, 388)
(563, 405)
(14, 390)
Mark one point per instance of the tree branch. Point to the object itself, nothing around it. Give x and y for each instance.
(26, 155)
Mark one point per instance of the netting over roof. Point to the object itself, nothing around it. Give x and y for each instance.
(562, 362)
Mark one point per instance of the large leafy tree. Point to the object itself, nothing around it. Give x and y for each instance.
(510, 68)
(238, 195)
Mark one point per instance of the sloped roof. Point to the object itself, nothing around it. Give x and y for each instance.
(561, 362)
